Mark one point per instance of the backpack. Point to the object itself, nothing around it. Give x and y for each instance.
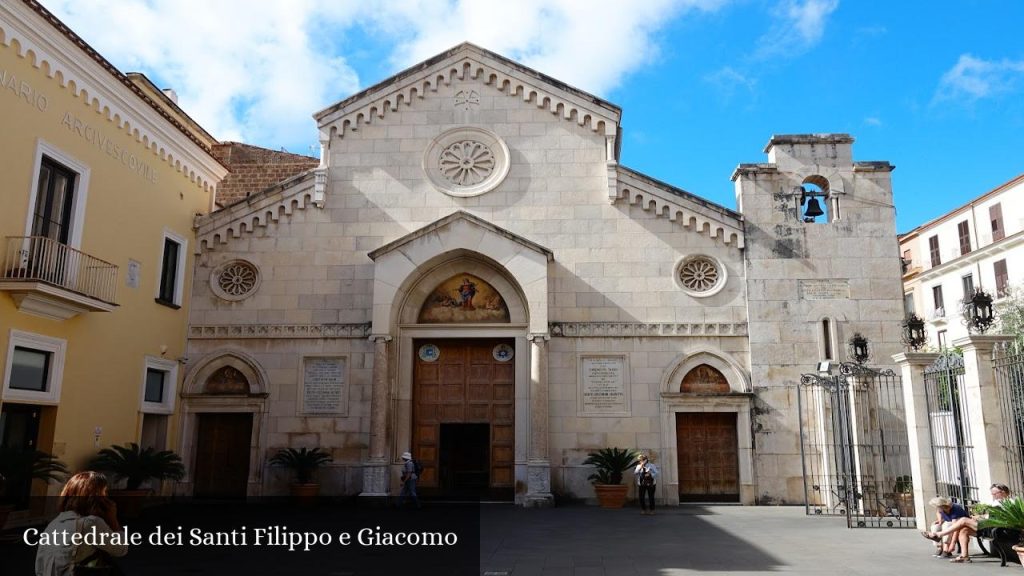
(417, 468)
(646, 478)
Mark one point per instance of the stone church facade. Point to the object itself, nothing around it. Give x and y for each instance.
(471, 275)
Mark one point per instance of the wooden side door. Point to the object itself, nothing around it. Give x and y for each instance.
(708, 457)
(222, 455)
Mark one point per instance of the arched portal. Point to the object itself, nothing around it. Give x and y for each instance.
(462, 351)
(223, 409)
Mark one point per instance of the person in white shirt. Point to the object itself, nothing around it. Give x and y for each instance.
(84, 507)
(646, 481)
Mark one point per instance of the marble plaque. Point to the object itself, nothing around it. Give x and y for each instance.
(603, 390)
(825, 289)
(323, 385)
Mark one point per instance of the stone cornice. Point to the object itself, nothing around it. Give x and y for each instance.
(231, 331)
(677, 205)
(463, 62)
(105, 89)
(257, 210)
(651, 329)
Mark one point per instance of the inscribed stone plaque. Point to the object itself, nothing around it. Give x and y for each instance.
(603, 390)
(825, 289)
(323, 385)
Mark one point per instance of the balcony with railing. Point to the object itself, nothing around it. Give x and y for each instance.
(53, 280)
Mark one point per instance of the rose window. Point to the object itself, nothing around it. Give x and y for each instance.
(700, 276)
(466, 163)
(235, 280)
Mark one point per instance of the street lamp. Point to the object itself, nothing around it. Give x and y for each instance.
(914, 335)
(978, 313)
(859, 348)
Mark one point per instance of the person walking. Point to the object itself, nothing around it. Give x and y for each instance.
(409, 478)
(646, 480)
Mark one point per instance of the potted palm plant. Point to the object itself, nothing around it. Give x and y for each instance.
(1009, 515)
(304, 462)
(18, 468)
(610, 463)
(136, 465)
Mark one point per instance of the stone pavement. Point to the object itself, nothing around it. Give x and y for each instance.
(587, 541)
(564, 541)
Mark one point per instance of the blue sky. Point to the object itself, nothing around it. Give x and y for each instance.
(936, 88)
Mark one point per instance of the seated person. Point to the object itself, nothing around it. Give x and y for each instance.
(962, 529)
(946, 515)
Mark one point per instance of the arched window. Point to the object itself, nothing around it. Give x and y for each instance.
(817, 204)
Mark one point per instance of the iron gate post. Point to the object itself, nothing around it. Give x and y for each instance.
(915, 404)
(984, 413)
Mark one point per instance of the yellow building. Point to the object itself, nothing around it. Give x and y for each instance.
(102, 177)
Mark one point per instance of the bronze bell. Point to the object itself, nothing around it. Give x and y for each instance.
(813, 208)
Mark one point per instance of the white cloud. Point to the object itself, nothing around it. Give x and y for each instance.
(797, 26)
(728, 80)
(972, 79)
(257, 71)
(873, 121)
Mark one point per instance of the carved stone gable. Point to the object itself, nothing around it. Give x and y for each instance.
(704, 379)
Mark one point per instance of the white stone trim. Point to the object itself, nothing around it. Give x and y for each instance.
(179, 280)
(646, 329)
(56, 347)
(275, 331)
(165, 406)
(80, 194)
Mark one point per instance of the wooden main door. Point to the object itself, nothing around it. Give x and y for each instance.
(708, 451)
(463, 426)
(222, 455)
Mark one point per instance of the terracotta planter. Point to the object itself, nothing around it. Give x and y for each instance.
(304, 494)
(611, 495)
(129, 502)
(1020, 553)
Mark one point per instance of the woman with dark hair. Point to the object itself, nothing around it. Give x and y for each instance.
(83, 507)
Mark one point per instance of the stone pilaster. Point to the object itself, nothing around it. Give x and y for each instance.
(375, 469)
(538, 491)
(985, 419)
(915, 404)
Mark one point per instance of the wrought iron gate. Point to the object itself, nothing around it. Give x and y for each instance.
(948, 423)
(1009, 372)
(854, 447)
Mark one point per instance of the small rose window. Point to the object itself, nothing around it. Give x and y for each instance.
(235, 280)
(700, 275)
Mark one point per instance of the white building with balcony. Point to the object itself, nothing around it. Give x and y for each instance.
(977, 245)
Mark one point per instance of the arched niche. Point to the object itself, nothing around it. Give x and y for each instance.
(452, 268)
(684, 364)
(227, 372)
(704, 379)
(464, 298)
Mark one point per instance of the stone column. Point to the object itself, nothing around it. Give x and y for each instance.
(985, 417)
(538, 464)
(375, 469)
(915, 404)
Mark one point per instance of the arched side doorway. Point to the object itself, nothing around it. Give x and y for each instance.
(705, 406)
(223, 409)
(462, 379)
